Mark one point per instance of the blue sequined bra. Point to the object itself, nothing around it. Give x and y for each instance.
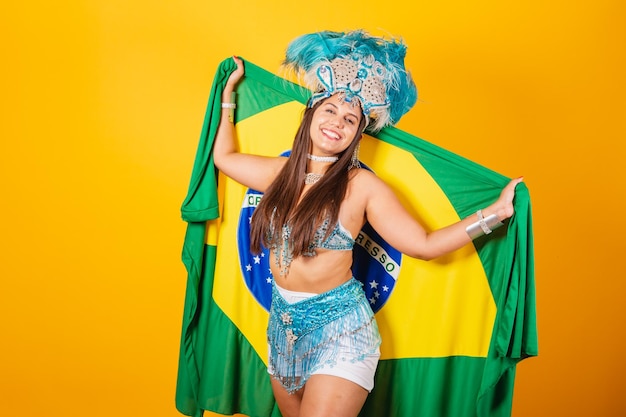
(338, 239)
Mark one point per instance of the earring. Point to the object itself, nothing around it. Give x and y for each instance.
(354, 162)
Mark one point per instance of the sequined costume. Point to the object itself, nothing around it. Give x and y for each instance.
(326, 333)
(338, 239)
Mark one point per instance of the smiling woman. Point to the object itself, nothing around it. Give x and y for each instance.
(336, 123)
(439, 319)
(103, 103)
(322, 336)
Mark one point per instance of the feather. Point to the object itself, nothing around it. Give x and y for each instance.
(306, 54)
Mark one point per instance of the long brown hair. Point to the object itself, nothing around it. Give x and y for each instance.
(279, 204)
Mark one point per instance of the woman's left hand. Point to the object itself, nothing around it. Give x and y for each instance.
(503, 207)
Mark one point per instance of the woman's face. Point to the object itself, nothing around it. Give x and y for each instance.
(334, 126)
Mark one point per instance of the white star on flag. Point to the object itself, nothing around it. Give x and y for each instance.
(373, 284)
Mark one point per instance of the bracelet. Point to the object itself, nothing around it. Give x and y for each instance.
(481, 222)
(231, 107)
(483, 226)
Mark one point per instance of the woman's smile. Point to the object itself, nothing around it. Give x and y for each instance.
(331, 134)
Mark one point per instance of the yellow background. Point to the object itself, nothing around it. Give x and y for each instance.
(102, 104)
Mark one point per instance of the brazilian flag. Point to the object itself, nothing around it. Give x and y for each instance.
(453, 328)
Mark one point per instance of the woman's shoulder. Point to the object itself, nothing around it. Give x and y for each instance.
(366, 184)
(369, 185)
(363, 177)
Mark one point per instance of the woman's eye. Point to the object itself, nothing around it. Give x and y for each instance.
(350, 121)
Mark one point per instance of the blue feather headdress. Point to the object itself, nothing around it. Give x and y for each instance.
(367, 71)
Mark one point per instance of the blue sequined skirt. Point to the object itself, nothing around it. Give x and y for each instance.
(320, 331)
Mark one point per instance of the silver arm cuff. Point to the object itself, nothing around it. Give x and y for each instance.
(483, 226)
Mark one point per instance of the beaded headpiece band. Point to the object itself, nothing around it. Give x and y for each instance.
(366, 71)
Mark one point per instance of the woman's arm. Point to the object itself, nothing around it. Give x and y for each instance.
(253, 171)
(391, 220)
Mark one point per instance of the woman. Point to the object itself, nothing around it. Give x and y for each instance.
(322, 336)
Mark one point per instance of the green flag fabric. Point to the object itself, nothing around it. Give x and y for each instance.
(453, 329)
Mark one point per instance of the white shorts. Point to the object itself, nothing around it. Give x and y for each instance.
(360, 372)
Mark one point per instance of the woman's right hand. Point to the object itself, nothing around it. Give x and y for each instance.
(236, 75)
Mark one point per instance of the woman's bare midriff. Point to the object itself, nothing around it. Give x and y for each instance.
(316, 274)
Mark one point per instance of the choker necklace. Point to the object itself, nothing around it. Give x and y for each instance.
(323, 158)
(312, 178)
